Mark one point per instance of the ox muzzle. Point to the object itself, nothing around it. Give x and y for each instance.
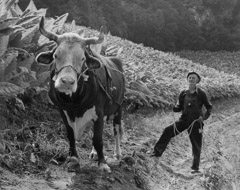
(66, 79)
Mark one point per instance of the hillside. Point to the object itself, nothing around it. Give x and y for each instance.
(155, 78)
(227, 62)
(33, 145)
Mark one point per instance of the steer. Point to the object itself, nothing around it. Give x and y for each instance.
(86, 87)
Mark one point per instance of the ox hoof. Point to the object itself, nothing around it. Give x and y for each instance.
(104, 167)
(73, 164)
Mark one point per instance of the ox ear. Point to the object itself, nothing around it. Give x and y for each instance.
(92, 62)
(45, 57)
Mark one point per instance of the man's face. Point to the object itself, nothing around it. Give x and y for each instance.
(193, 79)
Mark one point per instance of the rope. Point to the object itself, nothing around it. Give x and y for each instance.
(174, 125)
(190, 127)
(114, 69)
(175, 128)
(192, 124)
(81, 74)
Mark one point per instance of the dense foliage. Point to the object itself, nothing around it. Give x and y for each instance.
(224, 61)
(155, 78)
(20, 39)
(166, 25)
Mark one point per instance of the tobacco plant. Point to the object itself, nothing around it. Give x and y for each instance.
(20, 39)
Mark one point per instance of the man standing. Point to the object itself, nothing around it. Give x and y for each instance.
(190, 102)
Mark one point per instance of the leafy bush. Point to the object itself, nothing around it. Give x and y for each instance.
(20, 39)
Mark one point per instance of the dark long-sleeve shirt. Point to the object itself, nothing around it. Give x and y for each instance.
(191, 105)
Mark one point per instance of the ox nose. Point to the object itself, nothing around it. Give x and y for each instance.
(67, 80)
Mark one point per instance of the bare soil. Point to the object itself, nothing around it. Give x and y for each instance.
(220, 161)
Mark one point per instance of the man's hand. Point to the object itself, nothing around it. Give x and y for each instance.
(176, 108)
(200, 119)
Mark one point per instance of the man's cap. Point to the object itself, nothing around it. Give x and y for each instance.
(192, 72)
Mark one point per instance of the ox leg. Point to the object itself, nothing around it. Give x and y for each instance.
(98, 144)
(72, 160)
(117, 130)
(70, 136)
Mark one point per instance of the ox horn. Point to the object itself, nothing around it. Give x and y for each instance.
(49, 35)
(96, 40)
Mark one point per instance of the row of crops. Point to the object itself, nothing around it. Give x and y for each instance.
(228, 62)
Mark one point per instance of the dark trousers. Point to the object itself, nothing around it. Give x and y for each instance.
(195, 135)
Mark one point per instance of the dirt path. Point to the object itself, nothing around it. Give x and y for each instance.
(220, 162)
